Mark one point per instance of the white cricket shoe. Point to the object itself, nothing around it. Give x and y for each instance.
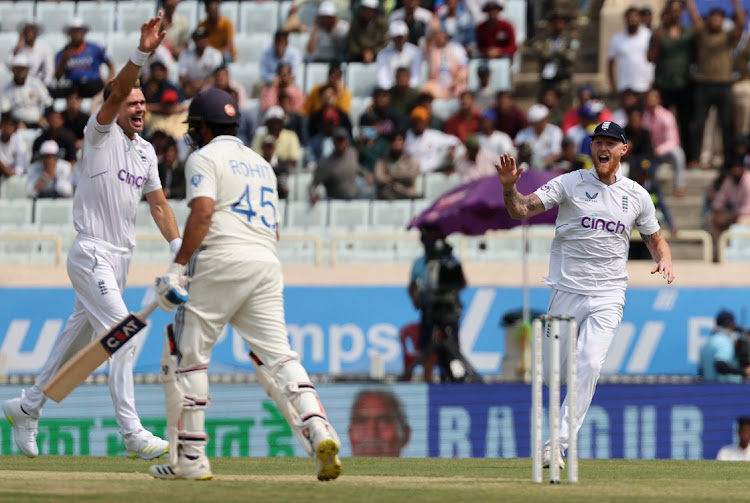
(143, 444)
(186, 469)
(326, 449)
(546, 457)
(24, 426)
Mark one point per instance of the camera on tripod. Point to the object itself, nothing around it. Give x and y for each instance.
(445, 280)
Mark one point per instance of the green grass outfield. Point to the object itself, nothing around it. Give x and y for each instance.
(92, 479)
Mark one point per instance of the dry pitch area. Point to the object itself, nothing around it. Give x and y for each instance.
(60, 478)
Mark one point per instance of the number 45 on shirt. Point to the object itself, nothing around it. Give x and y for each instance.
(245, 207)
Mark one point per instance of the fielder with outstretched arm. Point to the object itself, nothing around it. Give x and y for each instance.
(118, 168)
(588, 276)
(229, 253)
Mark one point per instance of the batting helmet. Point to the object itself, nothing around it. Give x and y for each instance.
(215, 107)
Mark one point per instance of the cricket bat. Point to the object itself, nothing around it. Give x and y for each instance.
(87, 360)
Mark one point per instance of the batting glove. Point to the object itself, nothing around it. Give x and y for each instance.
(171, 288)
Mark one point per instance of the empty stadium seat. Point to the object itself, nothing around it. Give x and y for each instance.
(246, 74)
(436, 184)
(250, 47)
(229, 10)
(391, 214)
(181, 212)
(493, 249)
(144, 222)
(500, 73)
(53, 212)
(361, 79)
(99, 15)
(151, 249)
(55, 15)
(315, 73)
(515, 12)
(300, 215)
(8, 41)
(299, 185)
(16, 212)
(358, 107)
(294, 249)
(132, 15)
(13, 13)
(29, 250)
(189, 9)
(738, 247)
(13, 188)
(259, 17)
(442, 109)
(119, 47)
(348, 215)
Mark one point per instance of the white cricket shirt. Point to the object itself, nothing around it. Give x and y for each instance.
(243, 187)
(592, 235)
(115, 172)
(733, 453)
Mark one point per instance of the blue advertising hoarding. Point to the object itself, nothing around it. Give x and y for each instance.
(336, 330)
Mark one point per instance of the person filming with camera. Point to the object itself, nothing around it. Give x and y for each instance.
(722, 357)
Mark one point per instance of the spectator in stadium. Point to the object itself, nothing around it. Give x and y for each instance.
(455, 19)
(367, 34)
(642, 172)
(281, 168)
(447, 66)
(671, 51)
(398, 53)
(160, 54)
(370, 145)
(425, 100)
(293, 120)
(49, 177)
(496, 38)
(718, 358)
(628, 67)
(741, 87)
(485, 93)
(26, 97)
(403, 96)
(432, 148)
(647, 16)
(78, 63)
(12, 148)
(282, 83)
(74, 118)
(465, 121)
(509, 118)
(378, 426)
(731, 204)
(56, 131)
(164, 102)
(287, 143)
(315, 120)
(544, 138)
(713, 70)
(741, 450)
(197, 64)
(589, 114)
(417, 20)
(38, 52)
(327, 42)
(628, 99)
(665, 137)
(585, 93)
(177, 28)
(321, 144)
(556, 53)
(476, 162)
(387, 118)
(220, 30)
(569, 159)
(279, 52)
(221, 79)
(396, 172)
(172, 172)
(490, 138)
(320, 96)
(551, 99)
(338, 171)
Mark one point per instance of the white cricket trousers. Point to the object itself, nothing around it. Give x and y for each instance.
(97, 271)
(598, 318)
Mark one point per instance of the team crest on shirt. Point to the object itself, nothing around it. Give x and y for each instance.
(196, 180)
(591, 197)
(625, 203)
(144, 159)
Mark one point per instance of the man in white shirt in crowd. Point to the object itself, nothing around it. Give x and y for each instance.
(50, 176)
(329, 34)
(197, 64)
(397, 54)
(741, 450)
(628, 66)
(13, 151)
(544, 138)
(432, 148)
(40, 55)
(117, 169)
(598, 209)
(26, 97)
(490, 138)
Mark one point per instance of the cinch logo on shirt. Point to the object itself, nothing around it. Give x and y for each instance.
(131, 179)
(604, 225)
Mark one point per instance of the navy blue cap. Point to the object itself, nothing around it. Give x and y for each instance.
(724, 319)
(610, 129)
(214, 106)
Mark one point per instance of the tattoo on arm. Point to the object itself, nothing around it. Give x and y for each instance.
(652, 243)
(519, 206)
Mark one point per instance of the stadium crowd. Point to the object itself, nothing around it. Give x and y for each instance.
(664, 75)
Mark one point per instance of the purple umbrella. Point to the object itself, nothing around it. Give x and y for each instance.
(478, 206)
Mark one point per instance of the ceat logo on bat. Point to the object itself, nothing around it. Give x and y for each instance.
(229, 110)
(121, 333)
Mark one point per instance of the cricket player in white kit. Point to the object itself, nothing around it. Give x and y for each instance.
(598, 209)
(118, 167)
(229, 254)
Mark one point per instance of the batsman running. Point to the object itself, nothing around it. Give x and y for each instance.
(587, 273)
(229, 254)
